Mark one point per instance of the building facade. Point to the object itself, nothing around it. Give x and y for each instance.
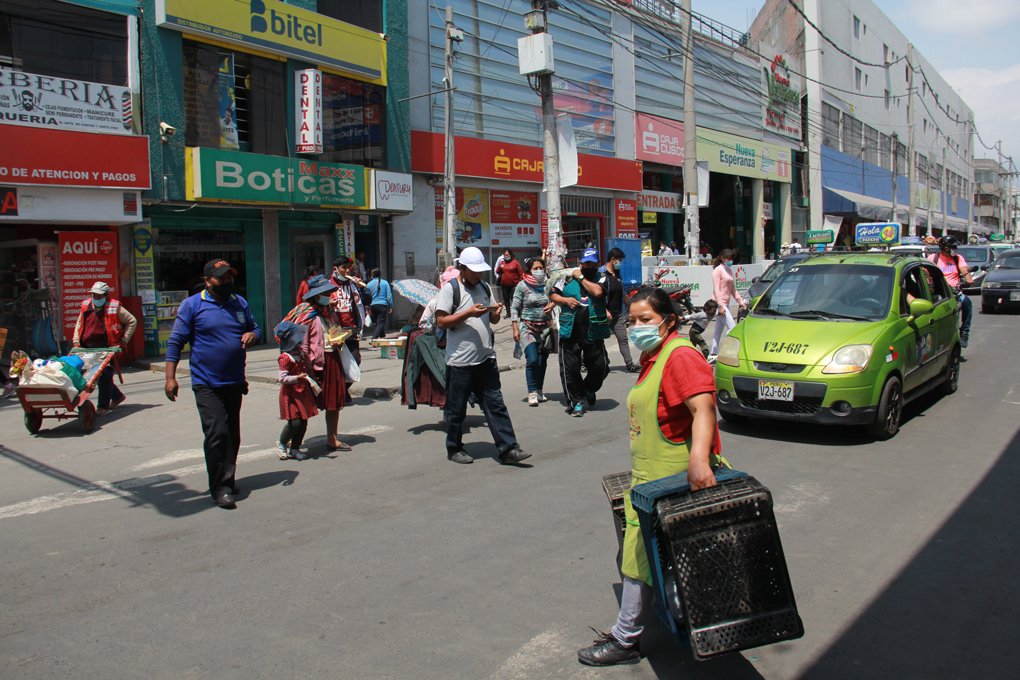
(859, 75)
(992, 210)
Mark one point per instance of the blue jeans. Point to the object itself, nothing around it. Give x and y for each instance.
(483, 380)
(967, 308)
(534, 368)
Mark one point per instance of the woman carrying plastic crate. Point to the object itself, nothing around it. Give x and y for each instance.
(673, 428)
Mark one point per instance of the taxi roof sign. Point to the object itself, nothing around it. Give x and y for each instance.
(877, 234)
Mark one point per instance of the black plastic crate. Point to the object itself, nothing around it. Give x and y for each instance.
(727, 561)
(616, 487)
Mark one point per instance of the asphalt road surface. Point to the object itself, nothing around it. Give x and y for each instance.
(390, 562)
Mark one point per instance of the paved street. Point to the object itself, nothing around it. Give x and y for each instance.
(389, 562)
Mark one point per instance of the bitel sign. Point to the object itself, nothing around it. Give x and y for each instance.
(877, 234)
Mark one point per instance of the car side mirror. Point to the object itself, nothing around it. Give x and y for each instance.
(756, 279)
(919, 308)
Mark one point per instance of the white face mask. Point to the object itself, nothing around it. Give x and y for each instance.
(539, 276)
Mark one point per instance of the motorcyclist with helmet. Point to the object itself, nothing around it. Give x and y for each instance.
(954, 268)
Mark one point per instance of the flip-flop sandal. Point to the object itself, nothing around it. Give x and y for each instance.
(341, 446)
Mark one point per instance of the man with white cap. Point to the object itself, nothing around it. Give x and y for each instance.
(103, 322)
(464, 310)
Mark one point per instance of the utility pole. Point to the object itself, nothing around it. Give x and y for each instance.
(911, 152)
(945, 184)
(970, 180)
(692, 221)
(453, 35)
(895, 147)
(998, 185)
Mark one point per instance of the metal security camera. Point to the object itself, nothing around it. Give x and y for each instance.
(167, 130)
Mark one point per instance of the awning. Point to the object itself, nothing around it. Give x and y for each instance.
(869, 207)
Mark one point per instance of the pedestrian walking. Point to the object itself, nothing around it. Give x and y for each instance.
(723, 288)
(673, 428)
(465, 311)
(584, 328)
(509, 273)
(310, 271)
(529, 315)
(699, 324)
(348, 307)
(103, 322)
(322, 346)
(219, 326)
(382, 302)
(297, 398)
(616, 308)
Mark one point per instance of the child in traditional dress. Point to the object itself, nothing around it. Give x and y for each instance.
(297, 400)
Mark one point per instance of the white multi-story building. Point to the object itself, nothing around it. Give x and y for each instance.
(858, 74)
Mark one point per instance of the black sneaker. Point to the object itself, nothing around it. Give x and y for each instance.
(459, 456)
(590, 398)
(607, 651)
(513, 456)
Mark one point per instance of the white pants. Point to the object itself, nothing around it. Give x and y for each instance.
(724, 323)
(635, 600)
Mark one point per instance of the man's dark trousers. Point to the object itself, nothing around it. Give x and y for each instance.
(483, 380)
(593, 356)
(219, 409)
(108, 390)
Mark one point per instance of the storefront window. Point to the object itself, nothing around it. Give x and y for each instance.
(354, 121)
(233, 100)
(182, 253)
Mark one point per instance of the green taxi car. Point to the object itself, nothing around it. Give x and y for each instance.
(846, 338)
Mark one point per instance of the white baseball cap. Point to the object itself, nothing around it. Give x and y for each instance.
(100, 288)
(473, 259)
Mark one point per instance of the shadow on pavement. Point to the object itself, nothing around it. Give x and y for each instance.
(951, 612)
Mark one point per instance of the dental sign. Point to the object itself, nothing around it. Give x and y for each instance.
(239, 177)
(308, 121)
(281, 28)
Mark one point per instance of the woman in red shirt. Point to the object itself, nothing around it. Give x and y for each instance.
(509, 273)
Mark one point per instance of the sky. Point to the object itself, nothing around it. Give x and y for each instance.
(974, 44)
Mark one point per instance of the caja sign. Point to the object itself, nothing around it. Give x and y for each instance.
(239, 177)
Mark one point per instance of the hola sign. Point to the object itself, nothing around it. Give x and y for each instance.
(877, 234)
(308, 122)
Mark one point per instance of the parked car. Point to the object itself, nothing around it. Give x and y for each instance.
(1001, 288)
(979, 259)
(843, 339)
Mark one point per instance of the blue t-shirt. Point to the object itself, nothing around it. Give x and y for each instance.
(214, 332)
(381, 292)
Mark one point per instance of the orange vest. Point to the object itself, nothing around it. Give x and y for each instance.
(114, 329)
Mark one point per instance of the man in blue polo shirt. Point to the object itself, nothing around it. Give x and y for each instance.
(219, 327)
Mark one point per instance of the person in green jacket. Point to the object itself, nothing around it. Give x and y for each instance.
(673, 428)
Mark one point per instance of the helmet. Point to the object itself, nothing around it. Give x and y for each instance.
(948, 242)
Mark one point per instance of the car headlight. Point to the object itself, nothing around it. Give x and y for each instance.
(992, 284)
(729, 351)
(849, 359)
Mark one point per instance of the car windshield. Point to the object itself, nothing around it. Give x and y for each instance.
(830, 292)
(1008, 261)
(975, 255)
(778, 267)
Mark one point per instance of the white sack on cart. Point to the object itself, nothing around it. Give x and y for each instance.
(50, 375)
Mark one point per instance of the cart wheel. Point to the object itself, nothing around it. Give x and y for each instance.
(33, 421)
(87, 416)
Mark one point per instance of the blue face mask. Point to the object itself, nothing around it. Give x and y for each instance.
(323, 300)
(645, 337)
(728, 263)
(98, 303)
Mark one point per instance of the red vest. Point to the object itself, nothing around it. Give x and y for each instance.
(114, 330)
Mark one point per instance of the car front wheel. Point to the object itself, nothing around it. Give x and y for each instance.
(890, 411)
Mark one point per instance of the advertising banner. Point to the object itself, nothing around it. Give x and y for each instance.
(345, 238)
(659, 140)
(73, 159)
(85, 257)
(392, 191)
(626, 218)
(820, 236)
(308, 100)
(282, 28)
(69, 205)
(471, 221)
(228, 104)
(877, 234)
(499, 160)
(145, 279)
(732, 155)
(8, 201)
(782, 106)
(61, 103)
(699, 279)
(236, 176)
(514, 219)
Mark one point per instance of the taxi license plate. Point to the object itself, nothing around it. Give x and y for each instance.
(1014, 296)
(775, 390)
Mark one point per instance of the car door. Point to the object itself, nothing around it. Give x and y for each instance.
(915, 341)
(944, 317)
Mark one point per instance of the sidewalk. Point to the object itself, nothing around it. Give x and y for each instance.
(380, 378)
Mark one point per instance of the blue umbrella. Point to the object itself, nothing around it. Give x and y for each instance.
(416, 290)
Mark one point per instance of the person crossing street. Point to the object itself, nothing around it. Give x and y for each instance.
(103, 322)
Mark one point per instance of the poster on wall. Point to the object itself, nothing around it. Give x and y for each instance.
(626, 218)
(145, 279)
(49, 102)
(513, 217)
(228, 104)
(471, 223)
(85, 257)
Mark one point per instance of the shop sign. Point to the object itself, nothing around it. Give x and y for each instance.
(85, 257)
(823, 236)
(240, 177)
(145, 278)
(659, 140)
(345, 238)
(626, 218)
(308, 100)
(282, 28)
(660, 201)
(392, 191)
(8, 201)
(498, 160)
(649, 218)
(877, 234)
(782, 106)
(73, 159)
(47, 102)
(732, 155)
